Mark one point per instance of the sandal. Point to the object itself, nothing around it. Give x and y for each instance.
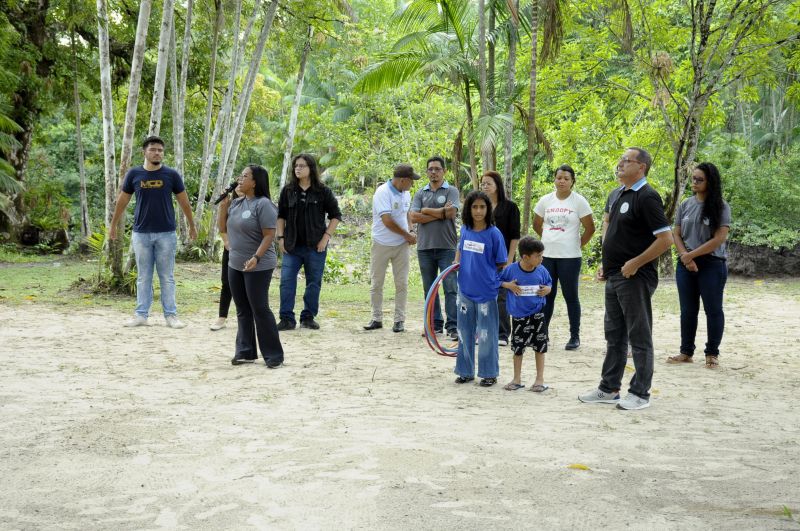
(488, 382)
(540, 388)
(680, 358)
(511, 386)
(463, 380)
(712, 362)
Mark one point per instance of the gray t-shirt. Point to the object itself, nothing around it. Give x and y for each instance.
(439, 234)
(695, 229)
(246, 218)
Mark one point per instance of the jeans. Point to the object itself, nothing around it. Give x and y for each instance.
(256, 320)
(707, 284)
(155, 250)
(629, 314)
(477, 319)
(225, 292)
(431, 263)
(313, 264)
(567, 271)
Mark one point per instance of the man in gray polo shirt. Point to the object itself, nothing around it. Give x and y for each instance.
(434, 210)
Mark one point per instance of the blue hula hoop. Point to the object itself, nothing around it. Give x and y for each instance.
(430, 298)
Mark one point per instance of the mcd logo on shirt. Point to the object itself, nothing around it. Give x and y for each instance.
(153, 183)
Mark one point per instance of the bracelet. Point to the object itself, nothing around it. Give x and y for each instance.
(329, 234)
(258, 258)
(278, 237)
(444, 213)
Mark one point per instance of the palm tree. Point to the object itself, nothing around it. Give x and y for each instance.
(441, 44)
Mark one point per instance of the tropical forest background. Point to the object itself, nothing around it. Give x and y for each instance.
(514, 85)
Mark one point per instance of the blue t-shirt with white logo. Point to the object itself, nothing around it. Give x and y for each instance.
(528, 303)
(481, 253)
(153, 190)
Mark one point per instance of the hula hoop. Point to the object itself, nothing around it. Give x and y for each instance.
(430, 300)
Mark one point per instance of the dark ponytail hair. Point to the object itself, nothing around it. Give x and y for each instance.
(261, 177)
(713, 204)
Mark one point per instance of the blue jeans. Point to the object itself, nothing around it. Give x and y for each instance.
(431, 263)
(155, 250)
(629, 314)
(707, 284)
(567, 271)
(313, 264)
(477, 319)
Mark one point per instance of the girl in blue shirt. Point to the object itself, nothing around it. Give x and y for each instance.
(480, 250)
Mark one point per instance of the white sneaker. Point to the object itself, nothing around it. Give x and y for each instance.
(174, 322)
(596, 396)
(136, 320)
(632, 402)
(218, 324)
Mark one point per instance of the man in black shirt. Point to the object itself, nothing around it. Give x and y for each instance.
(635, 233)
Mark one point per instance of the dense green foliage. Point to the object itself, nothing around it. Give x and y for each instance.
(596, 97)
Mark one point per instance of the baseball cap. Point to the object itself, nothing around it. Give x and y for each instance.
(405, 171)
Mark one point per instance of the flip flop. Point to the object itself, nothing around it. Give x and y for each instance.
(511, 386)
(540, 388)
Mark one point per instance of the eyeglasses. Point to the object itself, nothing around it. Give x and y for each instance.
(625, 160)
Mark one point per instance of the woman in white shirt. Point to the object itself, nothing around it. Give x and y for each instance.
(558, 218)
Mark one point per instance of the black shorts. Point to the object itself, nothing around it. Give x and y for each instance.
(528, 332)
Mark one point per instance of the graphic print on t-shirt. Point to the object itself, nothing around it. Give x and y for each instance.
(152, 183)
(529, 291)
(557, 218)
(624, 207)
(473, 246)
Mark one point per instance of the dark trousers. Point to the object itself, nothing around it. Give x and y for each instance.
(225, 292)
(567, 271)
(504, 330)
(256, 321)
(708, 284)
(431, 263)
(629, 314)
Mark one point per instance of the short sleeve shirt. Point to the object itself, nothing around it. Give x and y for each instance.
(506, 218)
(246, 219)
(153, 190)
(389, 200)
(528, 303)
(562, 221)
(696, 230)
(440, 233)
(635, 216)
(481, 253)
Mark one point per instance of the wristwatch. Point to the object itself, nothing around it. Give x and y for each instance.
(258, 258)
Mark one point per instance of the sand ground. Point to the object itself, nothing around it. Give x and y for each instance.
(103, 427)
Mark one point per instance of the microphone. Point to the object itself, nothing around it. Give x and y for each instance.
(228, 190)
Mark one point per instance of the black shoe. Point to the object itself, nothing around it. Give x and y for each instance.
(240, 361)
(398, 327)
(309, 323)
(373, 325)
(453, 334)
(488, 382)
(274, 364)
(463, 380)
(286, 324)
(573, 344)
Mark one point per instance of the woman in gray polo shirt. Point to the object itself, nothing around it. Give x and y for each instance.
(250, 222)
(701, 229)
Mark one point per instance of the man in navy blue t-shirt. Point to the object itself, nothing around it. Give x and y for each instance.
(635, 233)
(154, 240)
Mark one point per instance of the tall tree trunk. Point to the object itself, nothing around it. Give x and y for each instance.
(458, 154)
(205, 169)
(177, 127)
(526, 214)
(287, 155)
(473, 163)
(486, 149)
(161, 68)
(490, 78)
(85, 227)
(108, 112)
(508, 147)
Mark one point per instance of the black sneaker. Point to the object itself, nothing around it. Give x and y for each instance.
(453, 334)
(308, 323)
(573, 344)
(241, 361)
(286, 324)
(273, 364)
(398, 327)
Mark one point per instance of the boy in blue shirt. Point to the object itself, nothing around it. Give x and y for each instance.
(528, 283)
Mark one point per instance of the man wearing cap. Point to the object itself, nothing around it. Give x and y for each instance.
(390, 240)
(434, 210)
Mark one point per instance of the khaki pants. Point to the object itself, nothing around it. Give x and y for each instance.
(381, 255)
